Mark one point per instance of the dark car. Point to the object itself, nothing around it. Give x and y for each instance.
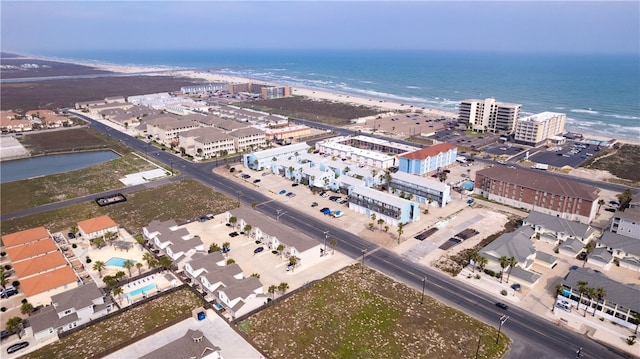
(258, 250)
(256, 180)
(233, 234)
(5, 334)
(71, 235)
(516, 287)
(15, 347)
(294, 184)
(582, 256)
(314, 204)
(502, 306)
(232, 169)
(610, 210)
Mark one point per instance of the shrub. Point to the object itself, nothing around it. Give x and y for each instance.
(3, 309)
(74, 246)
(3, 253)
(490, 272)
(88, 260)
(498, 275)
(15, 283)
(7, 266)
(477, 276)
(503, 292)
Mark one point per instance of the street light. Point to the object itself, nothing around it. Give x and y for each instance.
(171, 165)
(424, 281)
(503, 319)
(239, 194)
(326, 235)
(362, 266)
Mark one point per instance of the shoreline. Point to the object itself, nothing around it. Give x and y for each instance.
(318, 94)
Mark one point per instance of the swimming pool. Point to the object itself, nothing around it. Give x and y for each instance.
(117, 262)
(142, 290)
(468, 185)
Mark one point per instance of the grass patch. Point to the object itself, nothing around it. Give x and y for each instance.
(323, 111)
(128, 325)
(182, 201)
(104, 176)
(69, 140)
(621, 161)
(363, 315)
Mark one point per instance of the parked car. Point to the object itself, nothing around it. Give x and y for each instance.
(325, 210)
(71, 235)
(613, 210)
(324, 195)
(256, 180)
(291, 194)
(233, 234)
(232, 169)
(283, 191)
(314, 204)
(8, 291)
(582, 256)
(15, 347)
(516, 287)
(8, 273)
(5, 334)
(502, 306)
(258, 250)
(295, 184)
(245, 176)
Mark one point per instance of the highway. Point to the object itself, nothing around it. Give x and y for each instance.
(533, 337)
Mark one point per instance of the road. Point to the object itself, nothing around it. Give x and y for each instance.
(533, 337)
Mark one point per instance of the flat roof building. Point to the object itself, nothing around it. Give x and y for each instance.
(489, 115)
(537, 129)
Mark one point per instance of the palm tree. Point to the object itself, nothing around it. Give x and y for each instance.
(293, 260)
(371, 226)
(214, 247)
(482, 262)
(110, 281)
(272, 290)
(148, 257)
(226, 246)
(636, 318)
(559, 290)
(74, 230)
(119, 275)
(582, 288)
(625, 198)
(139, 266)
(511, 262)
(600, 294)
(128, 264)
(600, 203)
(283, 287)
(400, 231)
(233, 220)
(380, 222)
(26, 308)
(588, 248)
(590, 293)
(333, 243)
(99, 266)
(503, 264)
(165, 262)
(247, 229)
(280, 248)
(118, 292)
(15, 325)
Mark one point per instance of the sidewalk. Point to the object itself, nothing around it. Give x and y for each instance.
(541, 303)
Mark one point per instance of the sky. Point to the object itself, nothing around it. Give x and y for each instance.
(509, 26)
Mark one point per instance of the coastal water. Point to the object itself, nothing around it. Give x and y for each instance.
(45, 165)
(599, 93)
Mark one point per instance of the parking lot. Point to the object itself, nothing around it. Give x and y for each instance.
(564, 155)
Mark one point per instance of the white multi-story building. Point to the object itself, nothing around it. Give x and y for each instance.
(489, 115)
(536, 129)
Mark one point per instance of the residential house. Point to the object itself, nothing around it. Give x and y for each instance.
(540, 191)
(98, 227)
(626, 223)
(201, 263)
(178, 249)
(554, 229)
(70, 309)
(193, 345)
(619, 305)
(9, 122)
(242, 296)
(625, 250)
(216, 276)
(515, 244)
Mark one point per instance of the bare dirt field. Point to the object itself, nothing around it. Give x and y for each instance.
(45, 68)
(358, 313)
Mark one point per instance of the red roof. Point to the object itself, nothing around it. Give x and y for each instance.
(430, 151)
(47, 281)
(31, 249)
(39, 264)
(29, 235)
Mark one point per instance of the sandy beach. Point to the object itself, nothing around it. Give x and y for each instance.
(306, 92)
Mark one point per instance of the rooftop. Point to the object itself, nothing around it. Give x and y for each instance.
(430, 151)
(96, 224)
(28, 235)
(623, 294)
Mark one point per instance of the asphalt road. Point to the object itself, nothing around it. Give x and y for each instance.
(532, 336)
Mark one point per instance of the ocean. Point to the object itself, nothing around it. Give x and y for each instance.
(599, 93)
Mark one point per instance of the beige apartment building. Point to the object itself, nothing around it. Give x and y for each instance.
(488, 115)
(206, 142)
(537, 129)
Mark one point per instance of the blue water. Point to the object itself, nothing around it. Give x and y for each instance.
(599, 93)
(144, 289)
(45, 165)
(117, 262)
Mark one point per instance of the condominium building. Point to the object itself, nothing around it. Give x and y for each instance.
(536, 129)
(540, 191)
(393, 210)
(421, 189)
(488, 115)
(269, 93)
(206, 142)
(428, 159)
(211, 87)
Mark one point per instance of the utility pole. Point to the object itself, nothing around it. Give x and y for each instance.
(424, 281)
(326, 236)
(362, 266)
